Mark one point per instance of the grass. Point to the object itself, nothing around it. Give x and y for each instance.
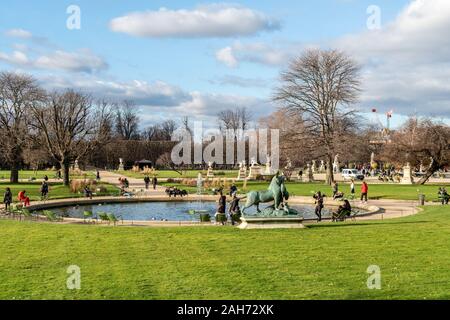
(376, 191)
(57, 190)
(327, 261)
(185, 174)
(40, 174)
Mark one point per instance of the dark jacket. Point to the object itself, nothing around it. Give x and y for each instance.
(222, 204)
(8, 197)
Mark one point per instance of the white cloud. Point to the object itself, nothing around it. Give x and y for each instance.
(159, 99)
(19, 33)
(226, 56)
(80, 61)
(15, 58)
(406, 63)
(244, 82)
(214, 20)
(274, 55)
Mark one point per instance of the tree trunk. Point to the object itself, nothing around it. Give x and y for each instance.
(434, 167)
(14, 177)
(330, 174)
(65, 166)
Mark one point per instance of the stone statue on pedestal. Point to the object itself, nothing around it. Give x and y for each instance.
(210, 173)
(407, 175)
(336, 165)
(268, 170)
(322, 166)
(242, 174)
(277, 193)
(121, 167)
(309, 177)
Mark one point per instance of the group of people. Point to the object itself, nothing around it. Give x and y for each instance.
(21, 197)
(234, 210)
(174, 192)
(147, 181)
(443, 196)
(340, 195)
(346, 206)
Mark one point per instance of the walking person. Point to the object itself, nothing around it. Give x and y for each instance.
(44, 190)
(147, 182)
(7, 199)
(364, 191)
(319, 205)
(98, 175)
(352, 189)
(221, 208)
(154, 182)
(235, 210)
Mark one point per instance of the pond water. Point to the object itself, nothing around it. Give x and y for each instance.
(165, 211)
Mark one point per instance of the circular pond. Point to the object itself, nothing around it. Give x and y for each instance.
(165, 211)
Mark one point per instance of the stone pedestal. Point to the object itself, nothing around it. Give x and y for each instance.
(242, 174)
(313, 166)
(254, 172)
(210, 173)
(407, 175)
(322, 166)
(308, 175)
(121, 167)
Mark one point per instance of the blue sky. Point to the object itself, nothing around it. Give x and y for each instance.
(173, 69)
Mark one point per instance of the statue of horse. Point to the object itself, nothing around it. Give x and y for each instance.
(276, 192)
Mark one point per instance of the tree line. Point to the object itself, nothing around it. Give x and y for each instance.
(40, 127)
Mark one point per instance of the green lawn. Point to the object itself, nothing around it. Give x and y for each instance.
(57, 190)
(327, 261)
(40, 174)
(376, 191)
(185, 174)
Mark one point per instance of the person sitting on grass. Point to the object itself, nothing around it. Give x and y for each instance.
(443, 196)
(345, 210)
(7, 199)
(338, 195)
(22, 197)
(87, 192)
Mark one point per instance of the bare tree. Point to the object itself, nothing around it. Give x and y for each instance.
(70, 126)
(18, 93)
(419, 141)
(127, 121)
(234, 121)
(319, 87)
